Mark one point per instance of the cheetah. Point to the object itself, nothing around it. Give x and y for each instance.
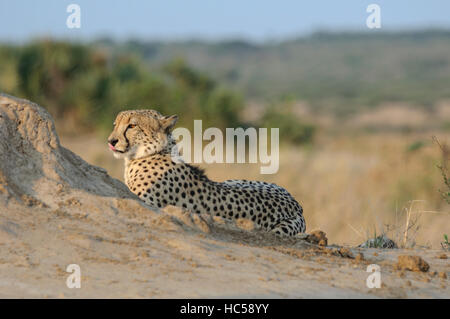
(144, 140)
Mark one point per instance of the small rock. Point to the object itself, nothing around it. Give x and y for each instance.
(345, 252)
(413, 263)
(442, 256)
(359, 257)
(318, 237)
(443, 275)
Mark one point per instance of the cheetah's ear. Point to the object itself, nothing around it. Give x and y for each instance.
(168, 122)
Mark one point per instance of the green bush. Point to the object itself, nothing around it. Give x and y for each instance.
(292, 130)
(91, 86)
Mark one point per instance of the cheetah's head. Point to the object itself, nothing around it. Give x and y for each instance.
(141, 133)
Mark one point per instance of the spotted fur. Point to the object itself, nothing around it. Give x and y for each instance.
(143, 138)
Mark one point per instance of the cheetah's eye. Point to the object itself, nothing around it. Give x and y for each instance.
(131, 125)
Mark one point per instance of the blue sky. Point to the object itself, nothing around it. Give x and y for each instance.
(258, 20)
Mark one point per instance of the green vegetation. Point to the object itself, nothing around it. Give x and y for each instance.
(89, 85)
(342, 72)
(291, 129)
(415, 146)
(334, 73)
(445, 244)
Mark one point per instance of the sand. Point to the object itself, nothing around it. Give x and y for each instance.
(57, 210)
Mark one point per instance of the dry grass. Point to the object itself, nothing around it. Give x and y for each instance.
(360, 180)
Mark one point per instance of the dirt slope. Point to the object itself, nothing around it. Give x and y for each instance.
(56, 210)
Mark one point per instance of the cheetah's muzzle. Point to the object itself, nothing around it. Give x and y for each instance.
(112, 148)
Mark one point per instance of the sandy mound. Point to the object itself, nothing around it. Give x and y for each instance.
(35, 168)
(57, 210)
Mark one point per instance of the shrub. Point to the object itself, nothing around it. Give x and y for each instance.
(88, 86)
(291, 129)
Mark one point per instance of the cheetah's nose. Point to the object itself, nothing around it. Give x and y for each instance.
(113, 142)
